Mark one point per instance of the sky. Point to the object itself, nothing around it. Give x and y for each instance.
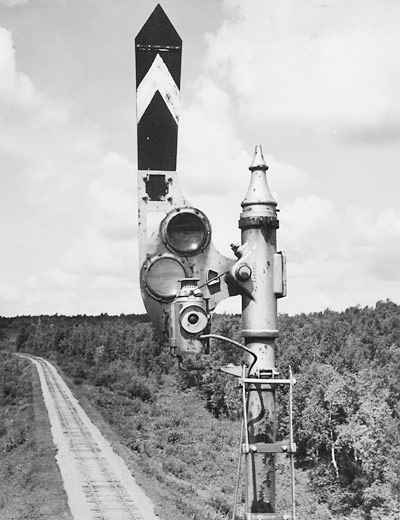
(316, 82)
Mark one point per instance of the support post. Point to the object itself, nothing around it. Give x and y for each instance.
(258, 224)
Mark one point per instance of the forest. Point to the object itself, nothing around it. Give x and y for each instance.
(346, 407)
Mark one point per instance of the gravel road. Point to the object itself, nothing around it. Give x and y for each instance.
(97, 481)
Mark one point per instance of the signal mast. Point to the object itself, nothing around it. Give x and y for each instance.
(183, 276)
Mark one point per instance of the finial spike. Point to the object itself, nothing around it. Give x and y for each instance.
(258, 160)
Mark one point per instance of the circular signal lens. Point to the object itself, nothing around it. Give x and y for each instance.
(162, 276)
(186, 231)
(193, 319)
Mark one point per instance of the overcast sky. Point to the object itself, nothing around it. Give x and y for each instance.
(316, 82)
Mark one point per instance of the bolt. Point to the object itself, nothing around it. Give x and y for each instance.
(235, 246)
(243, 273)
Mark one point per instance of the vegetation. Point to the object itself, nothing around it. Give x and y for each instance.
(30, 484)
(182, 426)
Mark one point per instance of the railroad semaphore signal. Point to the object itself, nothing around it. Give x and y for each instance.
(183, 276)
(175, 238)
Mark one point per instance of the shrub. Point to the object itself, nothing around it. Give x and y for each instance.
(138, 388)
(175, 436)
(174, 466)
(220, 503)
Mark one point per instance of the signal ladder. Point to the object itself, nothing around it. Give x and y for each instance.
(248, 449)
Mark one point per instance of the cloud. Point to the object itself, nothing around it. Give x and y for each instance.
(339, 256)
(71, 198)
(329, 71)
(214, 173)
(70, 205)
(13, 3)
(113, 197)
(332, 260)
(377, 236)
(213, 158)
(385, 132)
(307, 223)
(8, 293)
(298, 63)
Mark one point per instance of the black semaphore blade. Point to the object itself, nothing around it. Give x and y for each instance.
(158, 73)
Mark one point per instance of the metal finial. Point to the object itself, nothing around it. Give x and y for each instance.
(258, 160)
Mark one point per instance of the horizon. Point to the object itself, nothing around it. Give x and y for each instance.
(225, 313)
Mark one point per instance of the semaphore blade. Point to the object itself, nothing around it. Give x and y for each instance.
(158, 51)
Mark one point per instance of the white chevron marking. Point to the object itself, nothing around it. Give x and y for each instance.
(158, 78)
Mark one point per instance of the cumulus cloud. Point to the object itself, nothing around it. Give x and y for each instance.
(330, 256)
(377, 236)
(212, 155)
(13, 3)
(301, 62)
(307, 223)
(70, 198)
(329, 70)
(113, 198)
(384, 132)
(72, 243)
(340, 256)
(215, 160)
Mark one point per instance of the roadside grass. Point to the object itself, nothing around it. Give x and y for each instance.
(30, 485)
(188, 457)
(163, 425)
(182, 455)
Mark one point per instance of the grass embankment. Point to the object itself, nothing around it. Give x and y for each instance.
(182, 455)
(172, 428)
(30, 482)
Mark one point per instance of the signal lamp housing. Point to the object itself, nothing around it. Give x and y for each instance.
(161, 277)
(189, 318)
(194, 319)
(186, 231)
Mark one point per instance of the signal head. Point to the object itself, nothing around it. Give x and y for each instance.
(174, 238)
(161, 275)
(186, 231)
(193, 319)
(190, 318)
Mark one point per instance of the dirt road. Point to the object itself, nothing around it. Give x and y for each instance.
(97, 481)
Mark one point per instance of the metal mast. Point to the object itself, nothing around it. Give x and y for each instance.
(261, 270)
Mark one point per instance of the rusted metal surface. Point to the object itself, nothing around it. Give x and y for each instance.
(258, 223)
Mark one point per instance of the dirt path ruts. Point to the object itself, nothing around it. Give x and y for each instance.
(98, 484)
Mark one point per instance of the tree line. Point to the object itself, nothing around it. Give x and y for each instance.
(346, 407)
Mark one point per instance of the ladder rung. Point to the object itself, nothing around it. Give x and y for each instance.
(270, 447)
(262, 381)
(267, 516)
